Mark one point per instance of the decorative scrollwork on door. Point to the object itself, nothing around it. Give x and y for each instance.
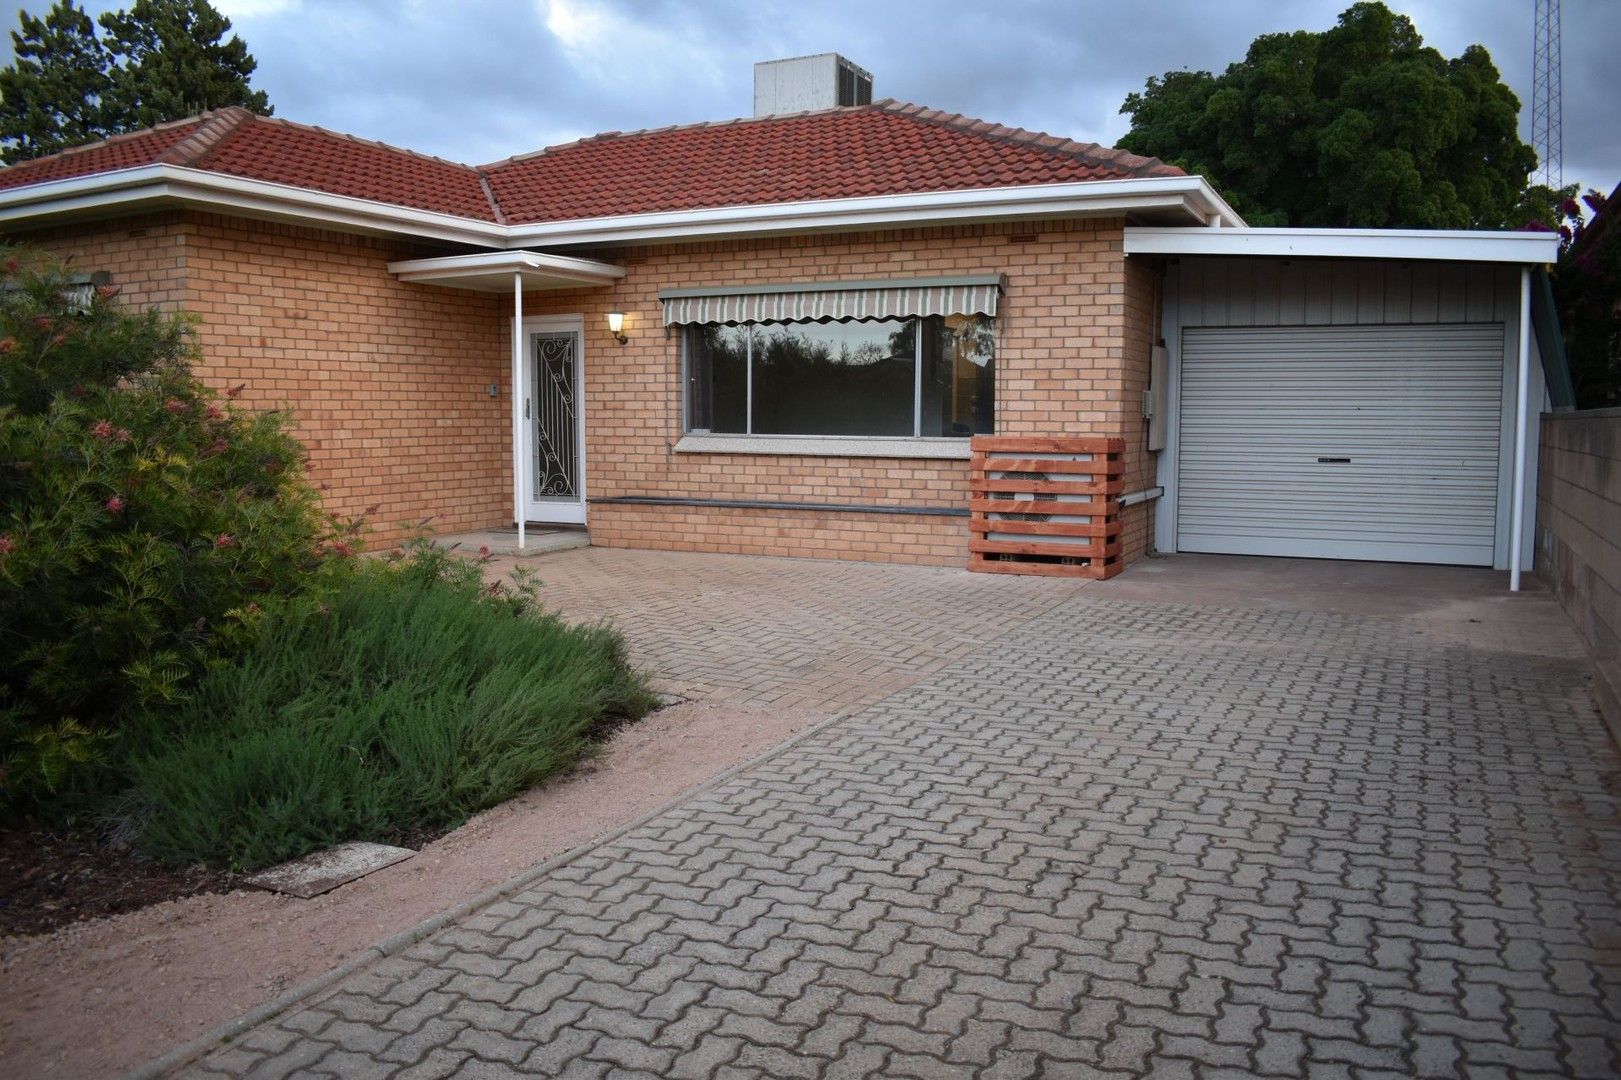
(556, 417)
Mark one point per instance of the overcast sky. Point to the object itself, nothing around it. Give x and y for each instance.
(478, 80)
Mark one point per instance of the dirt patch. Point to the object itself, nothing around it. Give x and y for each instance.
(95, 998)
(49, 879)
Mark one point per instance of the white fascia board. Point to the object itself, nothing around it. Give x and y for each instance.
(197, 187)
(1189, 193)
(1412, 244)
(554, 268)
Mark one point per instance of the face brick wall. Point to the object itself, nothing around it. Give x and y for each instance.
(1061, 369)
(388, 382)
(146, 256)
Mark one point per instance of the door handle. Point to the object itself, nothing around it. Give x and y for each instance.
(526, 408)
(1333, 461)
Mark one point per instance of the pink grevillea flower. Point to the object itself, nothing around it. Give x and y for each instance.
(342, 548)
(8, 344)
(224, 540)
(115, 505)
(214, 412)
(235, 390)
(175, 405)
(107, 292)
(102, 429)
(7, 544)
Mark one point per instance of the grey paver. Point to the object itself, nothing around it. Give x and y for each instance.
(1122, 838)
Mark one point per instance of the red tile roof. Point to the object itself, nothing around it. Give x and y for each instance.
(882, 149)
(118, 152)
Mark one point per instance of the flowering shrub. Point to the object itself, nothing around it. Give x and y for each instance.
(1587, 288)
(145, 522)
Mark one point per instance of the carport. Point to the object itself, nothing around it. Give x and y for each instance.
(1353, 394)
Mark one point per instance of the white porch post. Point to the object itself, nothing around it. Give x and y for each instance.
(1517, 530)
(517, 405)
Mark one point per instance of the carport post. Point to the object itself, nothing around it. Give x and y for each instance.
(517, 404)
(1517, 529)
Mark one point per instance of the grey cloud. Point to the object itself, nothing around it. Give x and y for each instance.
(477, 80)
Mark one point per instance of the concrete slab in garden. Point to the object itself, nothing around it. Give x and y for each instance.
(324, 871)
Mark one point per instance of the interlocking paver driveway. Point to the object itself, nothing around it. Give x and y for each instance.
(1125, 838)
(788, 633)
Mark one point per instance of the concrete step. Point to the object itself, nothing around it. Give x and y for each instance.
(538, 540)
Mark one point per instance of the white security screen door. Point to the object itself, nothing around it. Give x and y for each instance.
(554, 424)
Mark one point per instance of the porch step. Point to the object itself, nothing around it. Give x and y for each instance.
(538, 540)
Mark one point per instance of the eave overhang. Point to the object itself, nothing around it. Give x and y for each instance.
(1521, 248)
(1186, 199)
(493, 271)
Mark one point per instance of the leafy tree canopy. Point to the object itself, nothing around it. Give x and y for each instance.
(159, 60)
(50, 96)
(1361, 125)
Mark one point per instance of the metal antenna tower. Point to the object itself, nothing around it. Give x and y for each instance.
(1546, 121)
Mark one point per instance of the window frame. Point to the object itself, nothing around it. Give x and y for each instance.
(748, 432)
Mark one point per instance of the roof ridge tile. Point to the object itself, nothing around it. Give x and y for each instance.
(217, 125)
(1134, 164)
(361, 141)
(495, 203)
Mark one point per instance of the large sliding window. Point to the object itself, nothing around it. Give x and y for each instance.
(930, 376)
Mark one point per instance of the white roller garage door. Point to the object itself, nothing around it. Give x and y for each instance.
(1341, 442)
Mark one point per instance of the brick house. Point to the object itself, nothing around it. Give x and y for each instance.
(781, 334)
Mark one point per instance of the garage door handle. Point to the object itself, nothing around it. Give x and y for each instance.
(1333, 461)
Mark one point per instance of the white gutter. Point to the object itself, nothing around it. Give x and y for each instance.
(155, 183)
(1439, 244)
(1192, 195)
(129, 188)
(1516, 542)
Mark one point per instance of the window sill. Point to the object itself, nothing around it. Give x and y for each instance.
(825, 446)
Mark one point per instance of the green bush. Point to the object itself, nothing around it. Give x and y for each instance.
(415, 697)
(144, 522)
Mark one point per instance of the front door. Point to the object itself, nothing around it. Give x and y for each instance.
(554, 423)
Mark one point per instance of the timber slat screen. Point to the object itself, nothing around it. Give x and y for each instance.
(1045, 505)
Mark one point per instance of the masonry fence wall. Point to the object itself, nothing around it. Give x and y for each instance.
(1579, 536)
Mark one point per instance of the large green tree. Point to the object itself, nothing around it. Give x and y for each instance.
(51, 95)
(1361, 125)
(159, 60)
(172, 59)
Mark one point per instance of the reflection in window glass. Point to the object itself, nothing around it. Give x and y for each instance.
(959, 375)
(717, 378)
(844, 378)
(853, 378)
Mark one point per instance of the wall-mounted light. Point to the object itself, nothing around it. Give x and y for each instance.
(616, 326)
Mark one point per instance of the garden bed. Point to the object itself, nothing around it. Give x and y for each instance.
(50, 878)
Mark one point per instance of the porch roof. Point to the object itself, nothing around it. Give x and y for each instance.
(492, 271)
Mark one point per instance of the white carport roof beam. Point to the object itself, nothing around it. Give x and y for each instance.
(1522, 248)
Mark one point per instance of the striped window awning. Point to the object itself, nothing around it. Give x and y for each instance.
(834, 301)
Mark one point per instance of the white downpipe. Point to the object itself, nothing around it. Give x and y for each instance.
(1517, 529)
(517, 405)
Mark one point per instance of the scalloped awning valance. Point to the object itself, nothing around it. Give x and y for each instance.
(834, 301)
